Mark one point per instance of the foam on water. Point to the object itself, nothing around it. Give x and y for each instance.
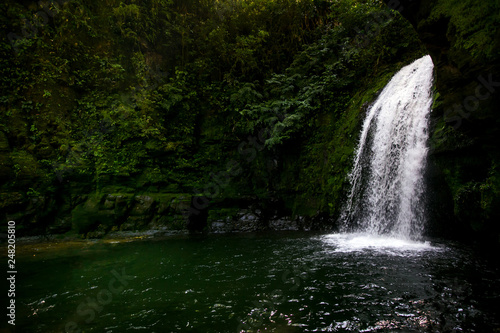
(358, 242)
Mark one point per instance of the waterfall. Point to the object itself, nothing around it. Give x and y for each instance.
(387, 188)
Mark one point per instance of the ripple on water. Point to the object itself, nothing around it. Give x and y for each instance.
(313, 283)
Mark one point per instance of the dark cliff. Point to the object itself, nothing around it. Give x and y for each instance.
(463, 39)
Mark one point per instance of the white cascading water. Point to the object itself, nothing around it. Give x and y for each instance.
(387, 188)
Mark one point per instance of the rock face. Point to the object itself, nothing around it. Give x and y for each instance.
(6, 171)
(106, 147)
(463, 40)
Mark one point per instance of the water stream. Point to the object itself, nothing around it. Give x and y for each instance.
(387, 186)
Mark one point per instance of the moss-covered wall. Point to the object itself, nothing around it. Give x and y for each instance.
(120, 115)
(463, 38)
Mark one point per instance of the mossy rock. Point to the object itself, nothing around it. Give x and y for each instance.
(6, 167)
(26, 168)
(222, 214)
(170, 222)
(4, 143)
(60, 225)
(44, 151)
(143, 205)
(87, 216)
(136, 223)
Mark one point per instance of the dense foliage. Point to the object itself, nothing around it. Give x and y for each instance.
(152, 96)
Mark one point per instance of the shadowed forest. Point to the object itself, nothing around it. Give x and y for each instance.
(175, 115)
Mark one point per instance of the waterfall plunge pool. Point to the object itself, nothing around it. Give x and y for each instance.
(275, 282)
(293, 282)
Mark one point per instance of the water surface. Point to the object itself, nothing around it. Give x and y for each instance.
(293, 282)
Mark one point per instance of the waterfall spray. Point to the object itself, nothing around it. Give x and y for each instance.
(387, 188)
